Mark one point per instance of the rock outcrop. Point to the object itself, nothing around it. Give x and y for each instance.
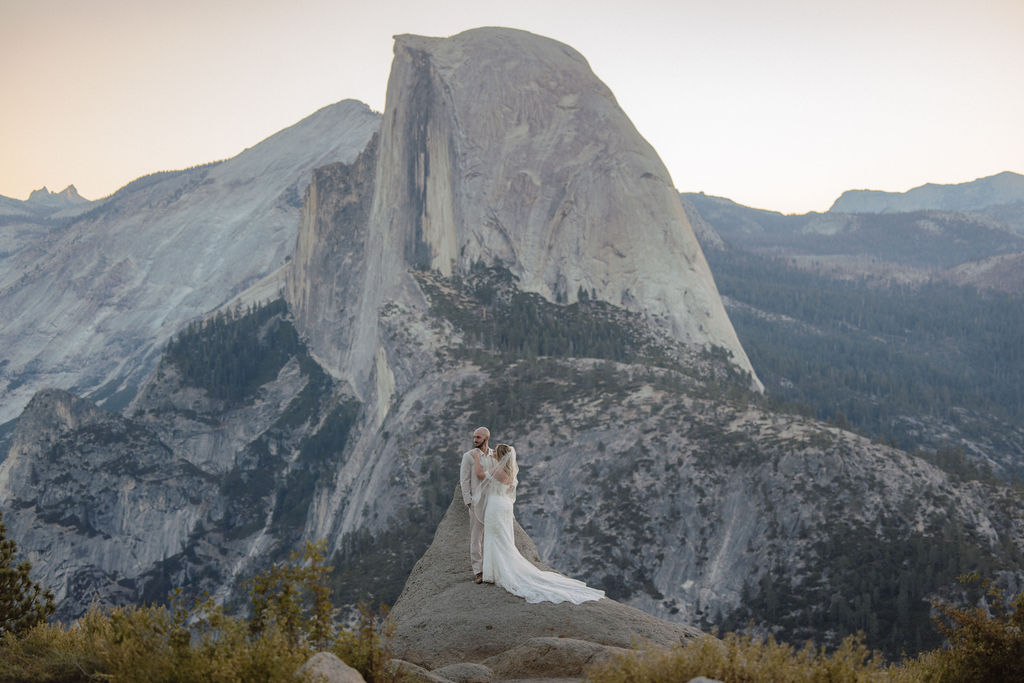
(328, 272)
(326, 667)
(443, 618)
(50, 201)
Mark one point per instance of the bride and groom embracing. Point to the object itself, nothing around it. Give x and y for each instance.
(489, 481)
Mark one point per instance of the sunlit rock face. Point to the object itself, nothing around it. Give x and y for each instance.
(327, 274)
(498, 144)
(89, 302)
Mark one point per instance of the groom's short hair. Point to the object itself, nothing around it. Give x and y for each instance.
(485, 430)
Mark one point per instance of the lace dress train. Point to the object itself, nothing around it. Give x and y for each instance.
(506, 567)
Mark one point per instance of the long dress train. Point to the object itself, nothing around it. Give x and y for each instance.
(506, 567)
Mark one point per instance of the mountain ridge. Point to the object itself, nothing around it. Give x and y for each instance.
(132, 269)
(982, 193)
(919, 244)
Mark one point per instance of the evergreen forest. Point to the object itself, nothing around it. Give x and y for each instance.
(234, 352)
(899, 363)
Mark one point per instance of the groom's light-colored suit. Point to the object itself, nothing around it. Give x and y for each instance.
(471, 490)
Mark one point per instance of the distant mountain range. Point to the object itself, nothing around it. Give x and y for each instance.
(1002, 189)
(907, 326)
(42, 202)
(970, 233)
(42, 205)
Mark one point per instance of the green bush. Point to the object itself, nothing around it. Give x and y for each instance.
(23, 602)
(150, 644)
(366, 648)
(739, 659)
(983, 644)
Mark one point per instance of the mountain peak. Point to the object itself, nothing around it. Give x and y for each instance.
(44, 197)
(39, 195)
(501, 146)
(70, 193)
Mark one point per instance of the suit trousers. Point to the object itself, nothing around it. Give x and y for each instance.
(476, 542)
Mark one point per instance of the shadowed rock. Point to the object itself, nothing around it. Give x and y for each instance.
(442, 617)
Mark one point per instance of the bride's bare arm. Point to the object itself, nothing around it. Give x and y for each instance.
(477, 467)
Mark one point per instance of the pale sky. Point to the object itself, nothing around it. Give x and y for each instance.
(778, 104)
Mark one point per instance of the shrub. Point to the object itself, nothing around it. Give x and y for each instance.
(983, 644)
(295, 598)
(366, 648)
(292, 618)
(23, 602)
(151, 644)
(741, 658)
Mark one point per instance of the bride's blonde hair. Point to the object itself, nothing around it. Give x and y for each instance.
(501, 451)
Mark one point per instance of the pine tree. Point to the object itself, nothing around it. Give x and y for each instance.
(23, 602)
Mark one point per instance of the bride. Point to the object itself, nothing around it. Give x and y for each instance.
(502, 563)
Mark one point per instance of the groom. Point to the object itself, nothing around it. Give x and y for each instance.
(471, 497)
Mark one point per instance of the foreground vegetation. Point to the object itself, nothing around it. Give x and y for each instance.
(983, 645)
(291, 619)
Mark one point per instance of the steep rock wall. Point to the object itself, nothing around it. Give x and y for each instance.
(327, 275)
(500, 145)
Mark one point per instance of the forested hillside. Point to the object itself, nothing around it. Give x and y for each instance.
(931, 367)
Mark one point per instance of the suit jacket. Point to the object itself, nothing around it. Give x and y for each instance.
(470, 484)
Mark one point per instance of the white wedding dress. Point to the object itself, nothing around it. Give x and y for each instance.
(505, 566)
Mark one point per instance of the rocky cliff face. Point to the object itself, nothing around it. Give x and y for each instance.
(645, 471)
(200, 480)
(96, 500)
(328, 273)
(89, 300)
(544, 174)
(654, 485)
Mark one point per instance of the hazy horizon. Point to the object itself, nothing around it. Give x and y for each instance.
(781, 106)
